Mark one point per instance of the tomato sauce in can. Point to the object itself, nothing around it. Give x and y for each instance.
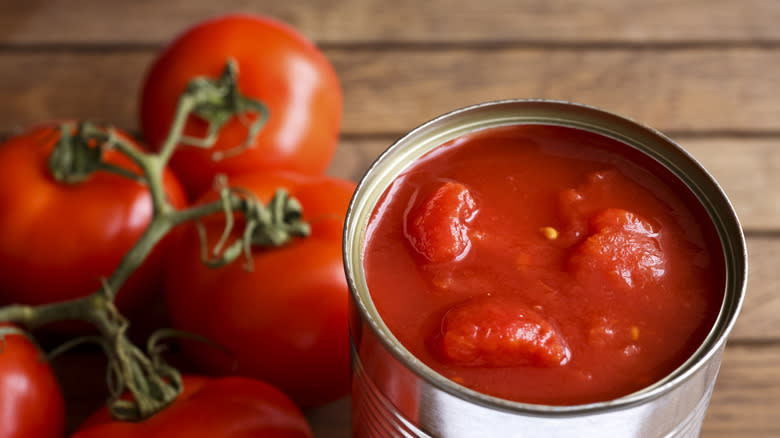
(538, 266)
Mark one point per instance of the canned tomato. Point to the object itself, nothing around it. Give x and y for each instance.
(539, 269)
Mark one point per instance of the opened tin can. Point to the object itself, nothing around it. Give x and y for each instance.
(396, 395)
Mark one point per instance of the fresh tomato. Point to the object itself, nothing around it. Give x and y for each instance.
(213, 408)
(276, 65)
(31, 403)
(57, 240)
(285, 320)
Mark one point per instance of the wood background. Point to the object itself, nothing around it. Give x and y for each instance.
(706, 72)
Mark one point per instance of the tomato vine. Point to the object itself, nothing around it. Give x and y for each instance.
(77, 155)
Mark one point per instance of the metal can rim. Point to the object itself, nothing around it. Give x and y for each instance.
(733, 237)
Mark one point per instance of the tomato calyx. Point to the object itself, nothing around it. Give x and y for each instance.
(273, 225)
(74, 158)
(217, 101)
(78, 153)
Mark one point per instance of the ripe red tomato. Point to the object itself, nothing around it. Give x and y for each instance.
(277, 66)
(284, 322)
(31, 404)
(213, 408)
(57, 240)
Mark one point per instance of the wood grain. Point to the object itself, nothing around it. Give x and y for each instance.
(747, 394)
(748, 169)
(672, 90)
(759, 320)
(392, 91)
(402, 21)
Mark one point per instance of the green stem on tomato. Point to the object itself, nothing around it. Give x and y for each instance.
(79, 153)
(183, 110)
(153, 386)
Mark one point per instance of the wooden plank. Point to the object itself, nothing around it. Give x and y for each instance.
(759, 319)
(361, 21)
(749, 172)
(747, 394)
(63, 85)
(391, 91)
(672, 90)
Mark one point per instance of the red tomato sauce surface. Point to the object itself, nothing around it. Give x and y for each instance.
(544, 265)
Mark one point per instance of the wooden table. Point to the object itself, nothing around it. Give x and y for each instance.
(706, 72)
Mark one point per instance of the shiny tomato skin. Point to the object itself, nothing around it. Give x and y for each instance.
(31, 402)
(233, 407)
(277, 66)
(285, 321)
(57, 240)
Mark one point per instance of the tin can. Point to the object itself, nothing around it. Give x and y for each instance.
(396, 395)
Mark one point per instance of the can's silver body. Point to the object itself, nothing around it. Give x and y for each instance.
(396, 395)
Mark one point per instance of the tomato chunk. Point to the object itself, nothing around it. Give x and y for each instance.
(623, 249)
(497, 332)
(437, 228)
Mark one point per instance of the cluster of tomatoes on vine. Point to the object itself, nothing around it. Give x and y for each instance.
(274, 317)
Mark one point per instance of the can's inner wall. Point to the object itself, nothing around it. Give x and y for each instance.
(449, 126)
